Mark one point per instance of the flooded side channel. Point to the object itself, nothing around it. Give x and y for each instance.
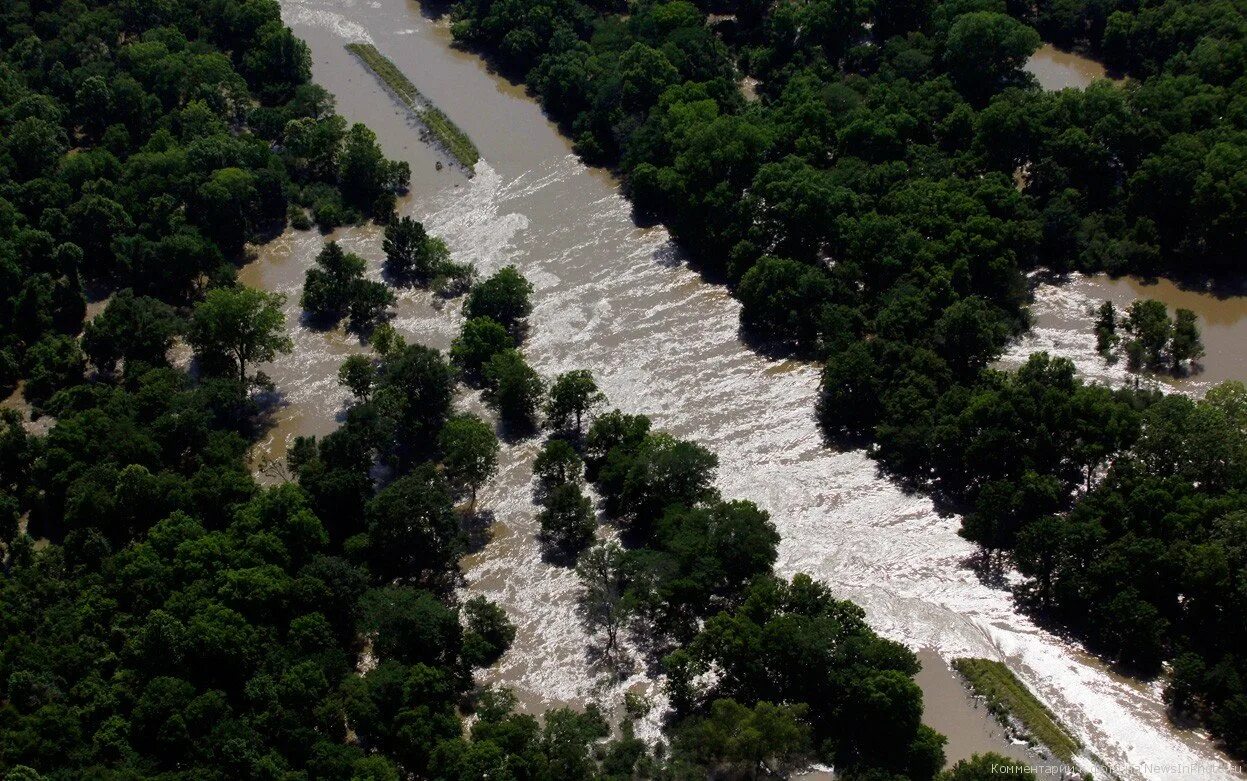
(1064, 325)
(617, 299)
(1057, 69)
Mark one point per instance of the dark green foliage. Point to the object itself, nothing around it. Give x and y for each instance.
(144, 148)
(53, 363)
(504, 297)
(413, 532)
(489, 632)
(132, 329)
(176, 619)
(336, 287)
(794, 643)
(558, 463)
(234, 328)
(417, 384)
(411, 254)
(514, 389)
(479, 340)
(734, 740)
(639, 483)
(572, 395)
(469, 453)
(567, 519)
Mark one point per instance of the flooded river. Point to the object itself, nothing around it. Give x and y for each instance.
(617, 299)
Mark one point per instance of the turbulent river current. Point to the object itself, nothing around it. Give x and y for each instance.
(617, 299)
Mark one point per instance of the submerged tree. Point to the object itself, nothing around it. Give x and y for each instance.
(604, 597)
(567, 519)
(506, 297)
(1186, 344)
(1106, 328)
(411, 254)
(513, 388)
(573, 395)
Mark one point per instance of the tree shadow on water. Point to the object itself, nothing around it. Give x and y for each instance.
(478, 529)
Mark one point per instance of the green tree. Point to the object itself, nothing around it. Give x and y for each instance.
(410, 625)
(986, 50)
(479, 340)
(413, 533)
(637, 486)
(1186, 343)
(238, 327)
(469, 453)
(735, 740)
(567, 520)
(131, 329)
(419, 383)
(558, 463)
(505, 297)
(411, 254)
(514, 389)
(1106, 328)
(603, 598)
(489, 633)
(53, 363)
(573, 395)
(1150, 330)
(357, 374)
(228, 202)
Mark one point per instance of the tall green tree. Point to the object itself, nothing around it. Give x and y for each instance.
(235, 328)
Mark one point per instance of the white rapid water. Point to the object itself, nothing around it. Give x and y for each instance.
(616, 299)
(1065, 327)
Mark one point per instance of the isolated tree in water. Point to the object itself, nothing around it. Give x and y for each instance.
(411, 254)
(1186, 344)
(573, 395)
(506, 297)
(604, 600)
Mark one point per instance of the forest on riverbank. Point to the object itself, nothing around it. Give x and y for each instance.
(877, 209)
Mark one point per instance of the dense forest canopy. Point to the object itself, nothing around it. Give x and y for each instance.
(877, 208)
(878, 205)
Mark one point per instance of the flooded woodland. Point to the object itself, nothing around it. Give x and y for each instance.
(618, 299)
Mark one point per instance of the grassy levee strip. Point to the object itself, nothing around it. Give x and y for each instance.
(1007, 697)
(447, 133)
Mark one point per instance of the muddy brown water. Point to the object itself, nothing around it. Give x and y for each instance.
(617, 299)
(1064, 324)
(1057, 69)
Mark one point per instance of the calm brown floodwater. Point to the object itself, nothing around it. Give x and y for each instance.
(617, 299)
(1057, 69)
